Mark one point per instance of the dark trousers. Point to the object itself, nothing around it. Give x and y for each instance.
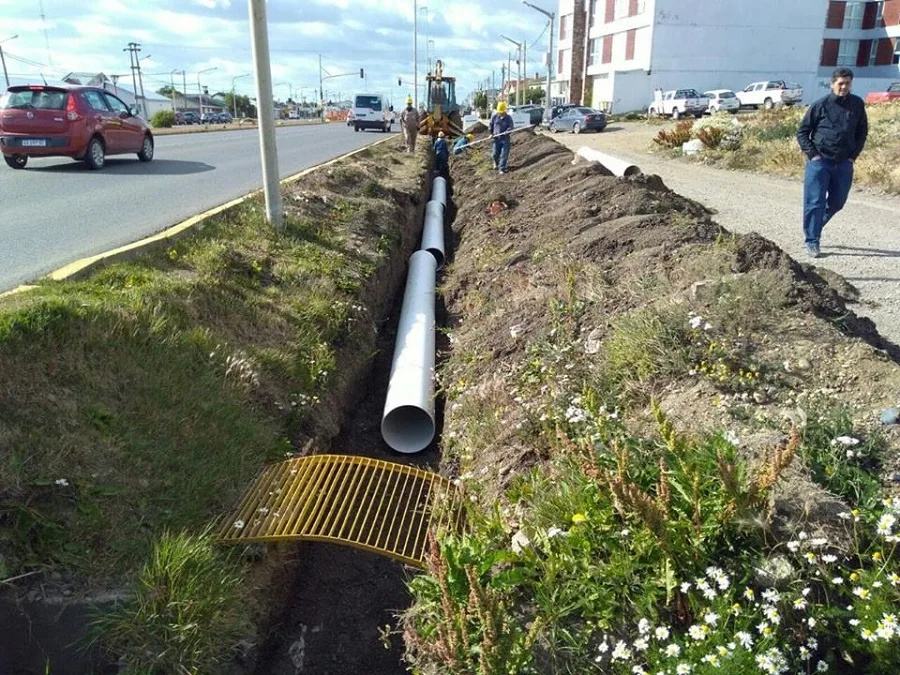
(826, 186)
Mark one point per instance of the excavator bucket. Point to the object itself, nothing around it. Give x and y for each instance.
(442, 111)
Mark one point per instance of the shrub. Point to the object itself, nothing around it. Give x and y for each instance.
(676, 137)
(163, 118)
(711, 137)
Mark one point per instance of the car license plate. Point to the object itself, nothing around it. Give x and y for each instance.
(34, 142)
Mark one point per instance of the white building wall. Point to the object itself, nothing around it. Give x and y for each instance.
(725, 44)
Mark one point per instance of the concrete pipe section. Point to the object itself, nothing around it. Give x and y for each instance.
(407, 424)
(439, 190)
(433, 232)
(617, 166)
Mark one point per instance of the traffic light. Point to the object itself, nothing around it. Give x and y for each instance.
(362, 73)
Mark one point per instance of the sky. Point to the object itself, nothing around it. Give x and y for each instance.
(196, 35)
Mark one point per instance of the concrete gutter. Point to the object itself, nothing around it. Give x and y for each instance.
(80, 268)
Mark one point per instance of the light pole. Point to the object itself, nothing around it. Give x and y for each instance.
(518, 67)
(430, 53)
(233, 99)
(172, 86)
(3, 60)
(424, 8)
(415, 54)
(200, 91)
(552, 17)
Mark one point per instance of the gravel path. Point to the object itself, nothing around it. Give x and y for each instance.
(862, 243)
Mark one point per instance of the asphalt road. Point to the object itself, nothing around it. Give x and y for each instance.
(56, 211)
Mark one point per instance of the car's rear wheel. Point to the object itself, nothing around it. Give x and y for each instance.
(356, 127)
(16, 161)
(675, 114)
(95, 157)
(768, 104)
(146, 153)
(576, 128)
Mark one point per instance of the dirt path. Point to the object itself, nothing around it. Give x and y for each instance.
(862, 244)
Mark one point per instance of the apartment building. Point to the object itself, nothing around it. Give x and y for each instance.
(613, 54)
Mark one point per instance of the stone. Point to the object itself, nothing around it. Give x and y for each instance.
(890, 416)
(803, 364)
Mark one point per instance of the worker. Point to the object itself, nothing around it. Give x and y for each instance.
(501, 125)
(462, 142)
(441, 154)
(409, 124)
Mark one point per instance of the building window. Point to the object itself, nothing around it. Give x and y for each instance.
(610, 14)
(594, 57)
(847, 52)
(896, 59)
(873, 53)
(629, 45)
(853, 15)
(829, 52)
(879, 15)
(607, 48)
(592, 13)
(561, 60)
(622, 7)
(563, 20)
(835, 14)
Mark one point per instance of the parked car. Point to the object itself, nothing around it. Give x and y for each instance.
(557, 110)
(678, 102)
(84, 123)
(770, 93)
(224, 118)
(578, 120)
(892, 93)
(722, 99)
(535, 112)
(187, 117)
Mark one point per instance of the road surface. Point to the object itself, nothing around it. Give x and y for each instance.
(56, 211)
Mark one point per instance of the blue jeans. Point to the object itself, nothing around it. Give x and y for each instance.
(826, 186)
(501, 151)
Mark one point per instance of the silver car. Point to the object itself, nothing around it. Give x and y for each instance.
(722, 99)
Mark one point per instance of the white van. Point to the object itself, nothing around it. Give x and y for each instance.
(370, 112)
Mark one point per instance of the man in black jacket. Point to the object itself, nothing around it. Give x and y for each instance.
(832, 134)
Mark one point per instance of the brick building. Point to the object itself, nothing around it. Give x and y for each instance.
(614, 53)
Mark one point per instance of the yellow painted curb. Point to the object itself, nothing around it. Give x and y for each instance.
(84, 265)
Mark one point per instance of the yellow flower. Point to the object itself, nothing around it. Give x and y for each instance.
(876, 556)
(854, 576)
(579, 518)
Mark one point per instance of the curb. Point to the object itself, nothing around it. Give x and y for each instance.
(81, 267)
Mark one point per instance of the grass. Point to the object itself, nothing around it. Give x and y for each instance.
(769, 145)
(143, 399)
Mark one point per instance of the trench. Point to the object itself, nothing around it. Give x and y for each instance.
(339, 617)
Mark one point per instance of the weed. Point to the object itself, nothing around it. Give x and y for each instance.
(675, 137)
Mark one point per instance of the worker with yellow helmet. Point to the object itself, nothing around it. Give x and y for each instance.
(409, 125)
(500, 126)
(462, 142)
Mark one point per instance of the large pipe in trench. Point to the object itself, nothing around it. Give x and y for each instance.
(617, 166)
(433, 232)
(407, 424)
(439, 190)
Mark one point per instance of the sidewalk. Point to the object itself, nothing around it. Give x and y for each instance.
(862, 243)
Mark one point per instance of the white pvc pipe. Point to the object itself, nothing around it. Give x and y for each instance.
(617, 166)
(407, 424)
(439, 190)
(433, 232)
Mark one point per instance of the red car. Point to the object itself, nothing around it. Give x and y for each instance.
(84, 123)
(892, 94)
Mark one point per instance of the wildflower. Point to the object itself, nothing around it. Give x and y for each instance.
(818, 542)
(643, 626)
(810, 557)
(554, 532)
(854, 576)
(709, 593)
(696, 322)
(811, 622)
(685, 587)
(603, 647)
(683, 669)
(862, 593)
(62, 482)
(625, 532)
(641, 645)
(845, 440)
(843, 515)
(638, 670)
(673, 650)
(821, 667)
(793, 546)
(867, 635)
(621, 652)
(837, 581)
(711, 659)
(578, 518)
(854, 622)
(800, 603)
(803, 536)
(239, 524)
(828, 558)
(723, 651)
(773, 615)
(736, 609)
(661, 633)
(711, 618)
(806, 591)
(749, 594)
(745, 639)
(771, 595)
(895, 579)
(886, 523)
(772, 661)
(876, 556)
(696, 632)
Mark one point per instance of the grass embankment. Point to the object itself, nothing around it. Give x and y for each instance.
(665, 434)
(249, 124)
(767, 143)
(143, 399)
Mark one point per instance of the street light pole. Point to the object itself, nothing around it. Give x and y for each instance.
(552, 17)
(200, 91)
(518, 66)
(172, 85)
(259, 38)
(233, 99)
(3, 60)
(415, 54)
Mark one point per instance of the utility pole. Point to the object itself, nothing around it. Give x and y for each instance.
(518, 67)
(552, 17)
(259, 37)
(3, 60)
(524, 70)
(133, 48)
(233, 96)
(184, 87)
(172, 87)
(141, 84)
(416, 54)
(321, 91)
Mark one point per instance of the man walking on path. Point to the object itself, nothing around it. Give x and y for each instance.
(501, 123)
(409, 124)
(832, 134)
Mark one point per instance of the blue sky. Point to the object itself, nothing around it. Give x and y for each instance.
(193, 35)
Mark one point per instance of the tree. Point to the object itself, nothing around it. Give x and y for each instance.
(167, 91)
(481, 100)
(244, 107)
(534, 95)
(163, 118)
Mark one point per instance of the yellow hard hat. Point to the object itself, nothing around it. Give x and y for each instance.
(470, 137)
(409, 100)
(501, 107)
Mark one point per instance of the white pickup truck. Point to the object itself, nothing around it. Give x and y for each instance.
(770, 94)
(678, 102)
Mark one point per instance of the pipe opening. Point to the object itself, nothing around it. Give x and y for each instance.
(408, 429)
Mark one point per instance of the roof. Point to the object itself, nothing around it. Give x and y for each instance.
(149, 94)
(20, 81)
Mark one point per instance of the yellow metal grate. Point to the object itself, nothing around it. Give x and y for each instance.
(371, 504)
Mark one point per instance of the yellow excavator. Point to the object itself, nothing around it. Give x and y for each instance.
(442, 111)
